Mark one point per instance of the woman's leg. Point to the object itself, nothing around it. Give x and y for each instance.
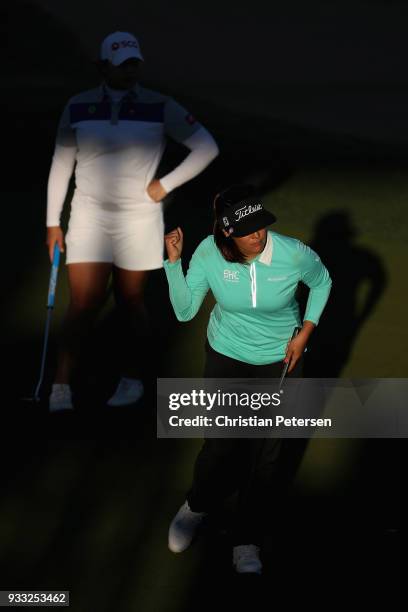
(88, 289)
(219, 463)
(135, 334)
(267, 475)
(216, 472)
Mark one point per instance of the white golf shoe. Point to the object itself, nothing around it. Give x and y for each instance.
(60, 398)
(183, 528)
(129, 391)
(245, 559)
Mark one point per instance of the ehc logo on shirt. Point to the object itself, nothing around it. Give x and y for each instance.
(231, 276)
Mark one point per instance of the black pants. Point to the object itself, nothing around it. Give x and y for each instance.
(246, 466)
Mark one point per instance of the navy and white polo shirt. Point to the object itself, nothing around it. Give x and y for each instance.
(119, 143)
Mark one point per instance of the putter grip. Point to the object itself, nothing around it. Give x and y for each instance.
(53, 277)
(286, 365)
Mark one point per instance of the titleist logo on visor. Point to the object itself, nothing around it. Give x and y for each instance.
(246, 210)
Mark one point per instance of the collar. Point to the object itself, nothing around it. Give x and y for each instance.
(266, 256)
(133, 94)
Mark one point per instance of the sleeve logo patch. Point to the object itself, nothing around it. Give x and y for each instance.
(190, 119)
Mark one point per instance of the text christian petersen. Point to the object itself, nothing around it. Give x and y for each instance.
(219, 400)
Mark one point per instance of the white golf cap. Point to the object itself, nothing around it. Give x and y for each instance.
(120, 46)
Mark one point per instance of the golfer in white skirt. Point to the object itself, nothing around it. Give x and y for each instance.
(115, 136)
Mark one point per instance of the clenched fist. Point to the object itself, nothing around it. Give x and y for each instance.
(174, 244)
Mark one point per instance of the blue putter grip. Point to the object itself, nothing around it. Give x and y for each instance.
(53, 277)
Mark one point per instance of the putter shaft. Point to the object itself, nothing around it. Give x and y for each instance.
(286, 366)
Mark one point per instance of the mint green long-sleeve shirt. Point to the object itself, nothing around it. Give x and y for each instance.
(256, 309)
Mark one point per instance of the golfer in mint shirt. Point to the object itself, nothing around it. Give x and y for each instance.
(253, 274)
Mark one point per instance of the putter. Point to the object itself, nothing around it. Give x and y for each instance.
(50, 305)
(286, 366)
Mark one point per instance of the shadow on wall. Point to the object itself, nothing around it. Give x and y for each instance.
(359, 279)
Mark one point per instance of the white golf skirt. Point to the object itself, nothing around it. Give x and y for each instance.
(132, 240)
